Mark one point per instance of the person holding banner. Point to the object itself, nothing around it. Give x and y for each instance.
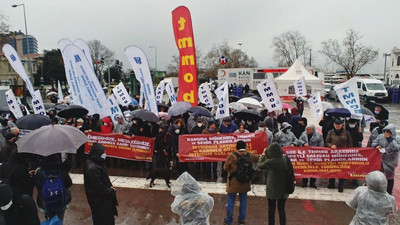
(389, 145)
(338, 137)
(262, 127)
(310, 137)
(285, 136)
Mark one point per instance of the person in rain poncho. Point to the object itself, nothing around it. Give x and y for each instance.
(389, 144)
(373, 204)
(190, 203)
(285, 136)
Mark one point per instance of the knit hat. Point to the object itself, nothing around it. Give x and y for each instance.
(10, 136)
(211, 123)
(5, 194)
(262, 124)
(240, 145)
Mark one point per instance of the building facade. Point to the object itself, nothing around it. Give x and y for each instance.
(21, 43)
(394, 67)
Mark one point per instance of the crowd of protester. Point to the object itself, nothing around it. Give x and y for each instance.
(22, 172)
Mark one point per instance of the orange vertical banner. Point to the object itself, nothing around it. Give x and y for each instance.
(182, 24)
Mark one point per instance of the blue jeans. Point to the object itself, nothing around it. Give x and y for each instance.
(230, 207)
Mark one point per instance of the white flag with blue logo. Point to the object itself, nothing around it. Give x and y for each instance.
(140, 65)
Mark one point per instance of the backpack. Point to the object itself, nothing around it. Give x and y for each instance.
(244, 171)
(54, 193)
(289, 177)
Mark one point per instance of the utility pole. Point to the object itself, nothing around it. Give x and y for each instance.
(385, 80)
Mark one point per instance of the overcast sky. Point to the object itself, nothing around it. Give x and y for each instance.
(120, 23)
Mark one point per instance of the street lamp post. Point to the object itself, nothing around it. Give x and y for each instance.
(240, 45)
(27, 39)
(155, 49)
(384, 69)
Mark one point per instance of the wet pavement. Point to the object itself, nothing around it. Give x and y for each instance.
(140, 205)
(149, 207)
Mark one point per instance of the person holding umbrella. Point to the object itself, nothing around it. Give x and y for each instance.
(377, 131)
(379, 114)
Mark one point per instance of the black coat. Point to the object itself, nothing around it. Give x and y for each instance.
(101, 197)
(23, 211)
(16, 171)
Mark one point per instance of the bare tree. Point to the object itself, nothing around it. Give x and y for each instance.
(98, 51)
(351, 55)
(288, 47)
(208, 65)
(4, 31)
(236, 59)
(173, 66)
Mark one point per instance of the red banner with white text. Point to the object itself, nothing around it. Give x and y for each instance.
(122, 146)
(346, 163)
(183, 31)
(216, 147)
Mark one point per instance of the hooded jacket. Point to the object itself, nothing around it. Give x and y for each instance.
(96, 181)
(190, 203)
(109, 127)
(285, 139)
(275, 164)
(390, 157)
(373, 204)
(315, 140)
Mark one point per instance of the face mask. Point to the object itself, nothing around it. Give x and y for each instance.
(135, 122)
(352, 125)
(261, 129)
(4, 208)
(288, 131)
(105, 124)
(177, 131)
(103, 156)
(199, 124)
(128, 119)
(249, 123)
(376, 112)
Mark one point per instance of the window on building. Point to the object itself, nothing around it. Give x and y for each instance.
(397, 76)
(259, 75)
(398, 60)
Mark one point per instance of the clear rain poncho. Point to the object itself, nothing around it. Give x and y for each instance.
(373, 204)
(190, 203)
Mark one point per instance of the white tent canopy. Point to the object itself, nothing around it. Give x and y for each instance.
(296, 71)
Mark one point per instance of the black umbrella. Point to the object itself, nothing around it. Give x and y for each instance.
(73, 111)
(256, 97)
(4, 109)
(200, 111)
(233, 98)
(61, 107)
(145, 114)
(339, 112)
(248, 114)
(384, 114)
(33, 121)
(159, 105)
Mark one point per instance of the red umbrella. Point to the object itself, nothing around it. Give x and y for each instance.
(286, 106)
